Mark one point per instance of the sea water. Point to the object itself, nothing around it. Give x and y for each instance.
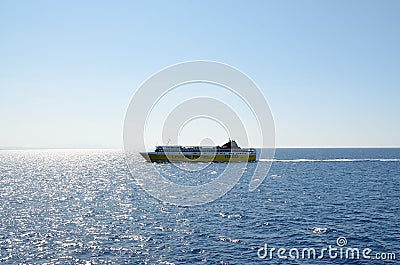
(84, 207)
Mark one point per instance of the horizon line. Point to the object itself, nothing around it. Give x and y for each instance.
(18, 148)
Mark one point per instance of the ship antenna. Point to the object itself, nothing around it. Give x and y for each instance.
(169, 140)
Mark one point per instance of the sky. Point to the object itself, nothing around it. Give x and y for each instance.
(330, 70)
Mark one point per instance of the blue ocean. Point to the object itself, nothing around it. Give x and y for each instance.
(84, 207)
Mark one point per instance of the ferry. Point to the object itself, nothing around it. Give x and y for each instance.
(229, 152)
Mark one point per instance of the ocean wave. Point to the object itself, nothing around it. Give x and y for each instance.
(332, 160)
(319, 230)
(228, 239)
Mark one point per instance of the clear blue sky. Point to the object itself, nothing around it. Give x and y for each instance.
(329, 69)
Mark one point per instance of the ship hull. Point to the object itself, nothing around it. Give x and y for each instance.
(190, 157)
